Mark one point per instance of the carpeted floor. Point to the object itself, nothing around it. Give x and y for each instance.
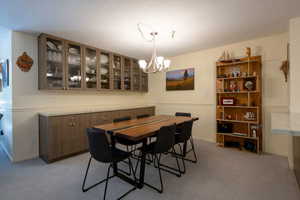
(225, 174)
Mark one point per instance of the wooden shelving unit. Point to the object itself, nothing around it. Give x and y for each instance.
(234, 126)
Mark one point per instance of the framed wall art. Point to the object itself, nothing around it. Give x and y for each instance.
(183, 79)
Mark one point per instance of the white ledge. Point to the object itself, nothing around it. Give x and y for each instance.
(285, 123)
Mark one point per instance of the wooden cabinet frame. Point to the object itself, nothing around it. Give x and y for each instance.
(67, 43)
(42, 60)
(85, 66)
(42, 69)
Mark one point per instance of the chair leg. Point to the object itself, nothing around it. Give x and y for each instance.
(106, 183)
(160, 190)
(183, 163)
(193, 147)
(178, 166)
(177, 172)
(194, 152)
(85, 177)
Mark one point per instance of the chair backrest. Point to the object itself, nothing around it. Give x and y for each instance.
(98, 145)
(165, 139)
(122, 119)
(142, 116)
(186, 130)
(183, 114)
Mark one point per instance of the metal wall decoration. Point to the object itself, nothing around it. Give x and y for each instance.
(25, 62)
(285, 66)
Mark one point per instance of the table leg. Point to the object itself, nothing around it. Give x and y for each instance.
(143, 165)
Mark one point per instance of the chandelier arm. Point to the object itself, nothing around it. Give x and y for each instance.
(142, 33)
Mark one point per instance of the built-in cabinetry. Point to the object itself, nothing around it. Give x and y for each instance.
(68, 65)
(65, 135)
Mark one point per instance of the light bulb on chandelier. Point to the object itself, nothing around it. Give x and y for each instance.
(156, 63)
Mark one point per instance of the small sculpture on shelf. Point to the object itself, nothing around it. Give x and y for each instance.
(250, 116)
(249, 85)
(253, 131)
(227, 58)
(233, 86)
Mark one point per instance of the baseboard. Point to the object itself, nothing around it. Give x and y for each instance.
(6, 152)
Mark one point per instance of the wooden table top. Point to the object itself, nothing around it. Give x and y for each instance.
(138, 129)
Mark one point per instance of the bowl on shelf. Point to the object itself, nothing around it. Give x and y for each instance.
(103, 59)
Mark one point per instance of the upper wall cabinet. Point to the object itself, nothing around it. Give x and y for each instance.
(51, 63)
(117, 72)
(144, 82)
(68, 65)
(105, 70)
(74, 66)
(127, 73)
(90, 78)
(136, 76)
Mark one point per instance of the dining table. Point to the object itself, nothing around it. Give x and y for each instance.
(139, 130)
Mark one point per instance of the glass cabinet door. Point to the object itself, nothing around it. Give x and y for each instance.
(144, 82)
(135, 76)
(104, 71)
(117, 70)
(90, 68)
(54, 62)
(127, 74)
(74, 66)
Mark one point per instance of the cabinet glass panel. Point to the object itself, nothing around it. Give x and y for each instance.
(91, 68)
(74, 66)
(144, 82)
(104, 71)
(55, 73)
(117, 72)
(127, 72)
(135, 76)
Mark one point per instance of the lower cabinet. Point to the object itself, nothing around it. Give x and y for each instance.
(65, 135)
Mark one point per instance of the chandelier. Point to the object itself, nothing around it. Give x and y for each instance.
(156, 63)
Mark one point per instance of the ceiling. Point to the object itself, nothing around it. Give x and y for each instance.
(112, 24)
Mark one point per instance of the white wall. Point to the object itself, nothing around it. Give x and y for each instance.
(295, 65)
(28, 101)
(201, 101)
(294, 80)
(6, 141)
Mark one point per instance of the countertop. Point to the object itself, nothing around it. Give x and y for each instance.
(89, 110)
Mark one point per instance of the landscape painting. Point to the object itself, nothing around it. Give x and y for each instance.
(180, 79)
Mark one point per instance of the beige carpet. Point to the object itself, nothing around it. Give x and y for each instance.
(223, 174)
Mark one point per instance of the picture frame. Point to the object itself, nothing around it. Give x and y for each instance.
(182, 79)
(5, 73)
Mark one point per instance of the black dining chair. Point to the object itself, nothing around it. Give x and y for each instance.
(103, 152)
(179, 130)
(142, 116)
(165, 141)
(128, 143)
(182, 138)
